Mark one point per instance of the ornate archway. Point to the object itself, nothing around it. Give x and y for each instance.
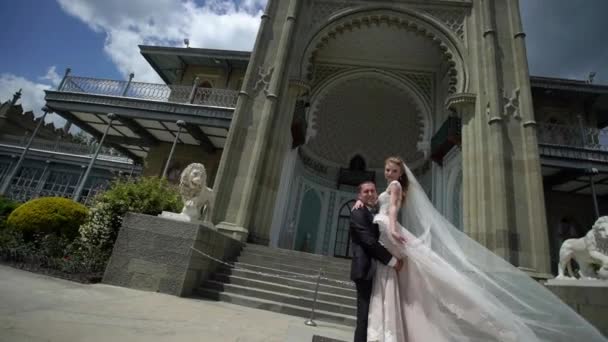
(362, 103)
(450, 46)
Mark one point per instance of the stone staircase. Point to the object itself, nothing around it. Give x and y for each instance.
(284, 281)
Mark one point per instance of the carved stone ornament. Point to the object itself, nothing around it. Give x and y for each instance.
(511, 107)
(197, 197)
(263, 79)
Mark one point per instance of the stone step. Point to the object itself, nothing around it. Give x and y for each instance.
(290, 271)
(252, 257)
(308, 284)
(316, 258)
(289, 252)
(294, 290)
(285, 281)
(279, 307)
(259, 249)
(296, 266)
(281, 297)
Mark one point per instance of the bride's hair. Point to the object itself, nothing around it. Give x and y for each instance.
(403, 180)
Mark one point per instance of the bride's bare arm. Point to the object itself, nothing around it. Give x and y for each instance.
(358, 205)
(393, 210)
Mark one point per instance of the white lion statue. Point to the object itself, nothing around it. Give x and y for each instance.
(590, 250)
(197, 197)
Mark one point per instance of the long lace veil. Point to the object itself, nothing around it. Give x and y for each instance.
(507, 289)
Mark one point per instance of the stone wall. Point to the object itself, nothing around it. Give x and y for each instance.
(156, 254)
(589, 299)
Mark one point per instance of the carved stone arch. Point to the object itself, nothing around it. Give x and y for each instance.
(451, 47)
(406, 86)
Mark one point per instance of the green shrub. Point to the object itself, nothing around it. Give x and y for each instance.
(7, 206)
(48, 215)
(147, 195)
(11, 239)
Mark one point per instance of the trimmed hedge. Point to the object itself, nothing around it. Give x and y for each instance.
(48, 215)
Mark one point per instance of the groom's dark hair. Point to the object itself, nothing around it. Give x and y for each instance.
(360, 186)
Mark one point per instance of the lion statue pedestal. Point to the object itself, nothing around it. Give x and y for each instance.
(586, 293)
(197, 197)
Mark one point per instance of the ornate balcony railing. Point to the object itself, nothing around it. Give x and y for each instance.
(573, 136)
(106, 153)
(216, 97)
(572, 142)
(151, 91)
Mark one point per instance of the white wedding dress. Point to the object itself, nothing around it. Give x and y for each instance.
(453, 289)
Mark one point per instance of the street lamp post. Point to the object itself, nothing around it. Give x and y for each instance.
(9, 178)
(590, 171)
(180, 124)
(85, 177)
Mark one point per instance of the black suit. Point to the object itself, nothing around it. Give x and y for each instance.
(364, 234)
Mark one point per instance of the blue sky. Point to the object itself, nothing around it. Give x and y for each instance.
(49, 38)
(565, 38)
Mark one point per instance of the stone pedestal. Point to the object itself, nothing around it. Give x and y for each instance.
(587, 297)
(184, 218)
(233, 231)
(157, 254)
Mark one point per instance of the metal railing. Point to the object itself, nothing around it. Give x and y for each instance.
(573, 142)
(573, 136)
(151, 91)
(216, 97)
(106, 153)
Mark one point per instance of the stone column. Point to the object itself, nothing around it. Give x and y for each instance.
(538, 246)
(504, 204)
(226, 185)
(464, 106)
(278, 148)
(240, 170)
(499, 240)
(282, 198)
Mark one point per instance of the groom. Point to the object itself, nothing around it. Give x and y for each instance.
(364, 234)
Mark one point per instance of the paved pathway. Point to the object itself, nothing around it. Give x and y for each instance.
(37, 308)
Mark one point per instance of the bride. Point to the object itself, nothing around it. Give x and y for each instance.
(451, 288)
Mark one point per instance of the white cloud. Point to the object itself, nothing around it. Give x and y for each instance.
(52, 76)
(219, 24)
(32, 95)
(232, 24)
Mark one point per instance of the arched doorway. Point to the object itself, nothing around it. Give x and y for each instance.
(342, 247)
(375, 91)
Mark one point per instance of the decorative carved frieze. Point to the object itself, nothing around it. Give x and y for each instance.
(452, 19)
(324, 9)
